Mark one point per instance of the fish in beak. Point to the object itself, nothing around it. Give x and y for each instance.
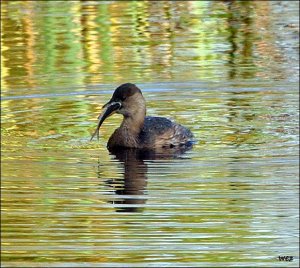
(109, 108)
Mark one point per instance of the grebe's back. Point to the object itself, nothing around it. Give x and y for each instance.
(162, 132)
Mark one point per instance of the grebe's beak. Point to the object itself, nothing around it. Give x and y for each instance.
(108, 109)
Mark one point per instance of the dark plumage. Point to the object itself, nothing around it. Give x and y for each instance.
(164, 132)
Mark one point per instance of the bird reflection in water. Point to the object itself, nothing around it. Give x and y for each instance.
(138, 139)
(132, 189)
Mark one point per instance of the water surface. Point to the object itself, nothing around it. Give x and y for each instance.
(227, 70)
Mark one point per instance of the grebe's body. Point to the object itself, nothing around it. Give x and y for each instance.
(156, 132)
(138, 130)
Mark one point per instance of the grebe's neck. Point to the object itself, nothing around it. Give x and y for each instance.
(134, 123)
(134, 112)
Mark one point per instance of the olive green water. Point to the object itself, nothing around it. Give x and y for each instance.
(227, 70)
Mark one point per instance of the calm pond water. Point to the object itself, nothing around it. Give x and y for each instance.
(228, 70)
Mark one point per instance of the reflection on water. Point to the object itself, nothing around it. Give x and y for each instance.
(228, 70)
(133, 186)
(72, 44)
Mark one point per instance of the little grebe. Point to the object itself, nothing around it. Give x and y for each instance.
(138, 130)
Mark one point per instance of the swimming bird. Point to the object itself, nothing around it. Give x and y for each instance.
(138, 130)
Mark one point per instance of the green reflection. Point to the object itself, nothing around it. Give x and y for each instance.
(73, 43)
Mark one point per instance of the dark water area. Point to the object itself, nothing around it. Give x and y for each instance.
(227, 70)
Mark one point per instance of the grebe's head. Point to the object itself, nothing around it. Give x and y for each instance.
(127, 100)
